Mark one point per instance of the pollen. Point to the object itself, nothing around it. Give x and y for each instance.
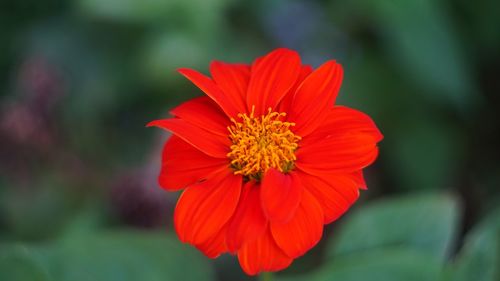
(260, 143)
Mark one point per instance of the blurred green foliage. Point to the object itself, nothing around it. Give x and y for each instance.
(422, 222)
(480, 257)
(110, 256)
(80, 79)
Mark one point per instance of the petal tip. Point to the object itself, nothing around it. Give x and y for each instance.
(153, 123)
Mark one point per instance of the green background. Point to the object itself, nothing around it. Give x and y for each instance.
(80, 79)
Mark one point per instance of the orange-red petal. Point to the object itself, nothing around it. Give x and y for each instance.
(215, 245)
(204, 113)
(348, 153)
(183, 165)
(341, 121)
(204, 208)
(232, 79)
(280, 195)
(303, 231)
(271, 78)
(315, 96)
(287, 101)
(262, 254)
(334, 192)
(248, 222)
(211, 144)
(211, 89)
(359, 179)
(345, 142)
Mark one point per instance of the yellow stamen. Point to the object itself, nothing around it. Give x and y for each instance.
(260, 143)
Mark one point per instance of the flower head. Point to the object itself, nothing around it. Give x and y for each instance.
(266, 159)
(260, 143)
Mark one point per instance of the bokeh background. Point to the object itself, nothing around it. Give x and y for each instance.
(80, 79)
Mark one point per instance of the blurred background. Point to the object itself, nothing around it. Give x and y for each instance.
(80, 79)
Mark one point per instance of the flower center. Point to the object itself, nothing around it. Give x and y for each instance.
(260, 143)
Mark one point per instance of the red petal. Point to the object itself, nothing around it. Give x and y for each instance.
(287, 101)
(345, 142)
(335, 193)
(232, 79)
(213, 145)
(203, 209)
(348, 153)
(248, 221)
(349, 157)
(359, 178)
(315, 96)
(303, 231)
(209, 87)
(272, 77)
(262, 254)
(204, 113)
(280, 195)
(183, 165)
(215, 245)
(342, 120)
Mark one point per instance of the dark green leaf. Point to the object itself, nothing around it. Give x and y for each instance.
(480, 258)
(18, 264)
(380, 265)
(116, 256)
(129, 256)
(428, 49)
(426, 223)
(425, 153)
(419, 38)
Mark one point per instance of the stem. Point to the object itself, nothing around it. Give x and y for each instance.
(266, 276)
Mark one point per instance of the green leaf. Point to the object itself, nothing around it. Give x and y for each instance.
(164, 53)
(126, 10)
(129, 256)
(26, 212)
(18, 264)
(115, 256)
(429, 49)
(381, 265)
(426, 223)
(434, 169)
(419, 37)
(193, 14)
(480, 257)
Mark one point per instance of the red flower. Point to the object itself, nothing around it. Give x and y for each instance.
(266, 159)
